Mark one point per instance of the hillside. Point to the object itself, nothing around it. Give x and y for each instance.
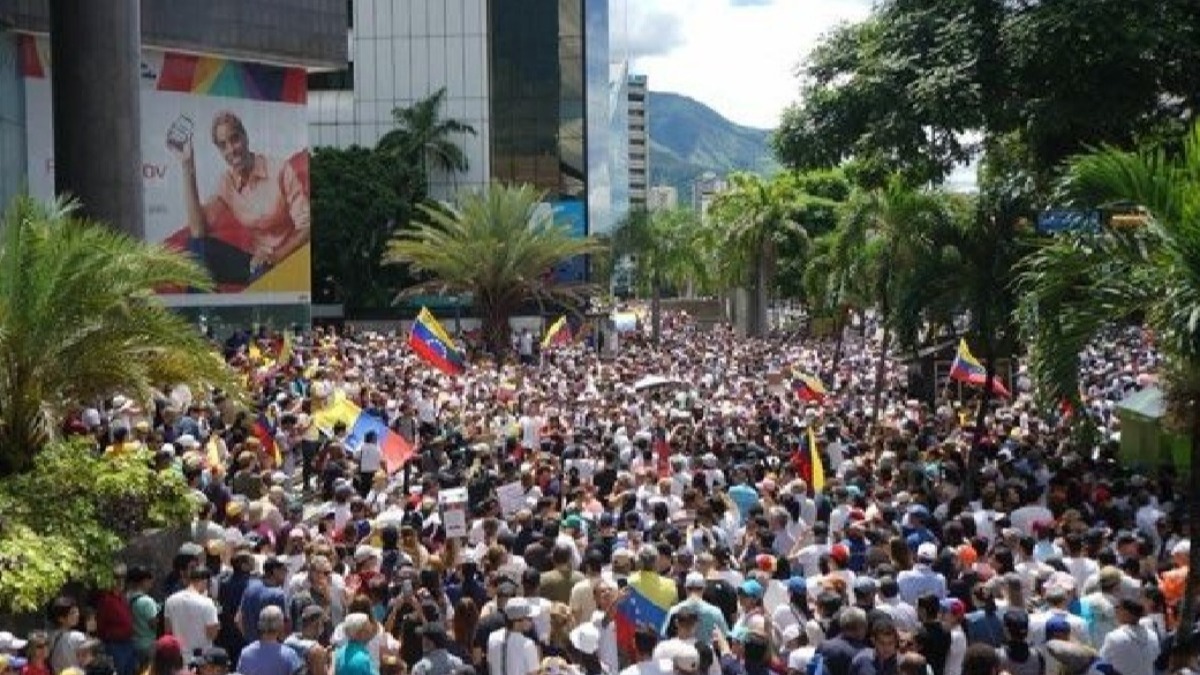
(688, 138)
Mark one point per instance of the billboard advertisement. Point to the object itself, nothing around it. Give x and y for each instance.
(571, 214)
(224, 166)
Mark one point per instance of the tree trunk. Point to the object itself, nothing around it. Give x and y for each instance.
(656, 308)
(1181, 647)
(496, 334)
(880, 372)
(840, 327)
(759, 322)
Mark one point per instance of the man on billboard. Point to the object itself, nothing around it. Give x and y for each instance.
(258, 213)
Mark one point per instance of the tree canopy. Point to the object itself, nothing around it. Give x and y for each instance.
(80, 321)
(921, 85)
(499, 246)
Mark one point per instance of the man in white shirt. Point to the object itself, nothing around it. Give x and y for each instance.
(191, 616)
(1131, 648)
(903, 614)
(370, 461)
(1058, 599)
(509, 651)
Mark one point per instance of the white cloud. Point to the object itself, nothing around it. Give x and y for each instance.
(738, 56)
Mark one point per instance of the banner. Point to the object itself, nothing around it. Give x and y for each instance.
(224, 168)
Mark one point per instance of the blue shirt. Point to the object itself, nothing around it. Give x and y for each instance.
(257, 596)
(919, 581)
(745, 497)
(352, 659)
(270, 658)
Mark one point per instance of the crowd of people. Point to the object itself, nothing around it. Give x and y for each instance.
(685, 528)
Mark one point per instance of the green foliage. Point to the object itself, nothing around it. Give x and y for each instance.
(498, 246)
(899, 91)
(360, 199)
(1075, 284)
(422, 136)
(68, 517)
(80, 321)
(667, 245)
(1078, 283)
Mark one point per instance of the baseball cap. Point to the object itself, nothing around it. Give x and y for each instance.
(797, 585)
(751, 588)
(213, 656)
(927, 552)
(694, 580)
(1057, 625)
(840, 553)
(520, 608)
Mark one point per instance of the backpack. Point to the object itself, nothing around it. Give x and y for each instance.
(114, 617)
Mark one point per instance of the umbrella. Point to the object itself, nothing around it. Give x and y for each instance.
(656, 382)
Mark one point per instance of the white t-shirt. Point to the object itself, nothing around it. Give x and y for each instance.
(63, 646)
(651, 667)
(188, 615)
(370, 458)
(511, 655)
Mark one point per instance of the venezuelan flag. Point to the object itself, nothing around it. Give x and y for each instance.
(966, 368)
(396, 450)
(434, 346)
(809, 388)
(649, 600)
(283, 357)
(559, 333)
(264, 431)
(816, 465)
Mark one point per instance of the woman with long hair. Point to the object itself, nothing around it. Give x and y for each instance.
(558, 642)
(464, 624)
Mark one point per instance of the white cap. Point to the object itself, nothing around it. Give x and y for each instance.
(9, 642)
(585, 637)
(694, 580)
(520, 608)
(927, 551)
(1182, 547)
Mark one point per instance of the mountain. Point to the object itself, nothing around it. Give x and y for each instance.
(688, 138)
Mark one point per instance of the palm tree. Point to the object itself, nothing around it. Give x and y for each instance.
(422, 135)
(883, 234)
(1077, 284)
(500, 247)
(755, 214)
(667, 247)
(80, 322)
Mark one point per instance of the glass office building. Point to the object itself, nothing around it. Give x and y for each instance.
(537, 95)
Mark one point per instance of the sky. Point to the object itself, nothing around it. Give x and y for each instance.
(737, 56)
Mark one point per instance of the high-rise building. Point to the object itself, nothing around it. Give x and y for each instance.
(704, 189)
(122, 103)
(662, 198)
(639, 141)
(532, 78)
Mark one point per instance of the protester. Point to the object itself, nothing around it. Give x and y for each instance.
(555, 511)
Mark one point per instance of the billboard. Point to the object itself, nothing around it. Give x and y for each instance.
(571, 214)
(224, 167)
